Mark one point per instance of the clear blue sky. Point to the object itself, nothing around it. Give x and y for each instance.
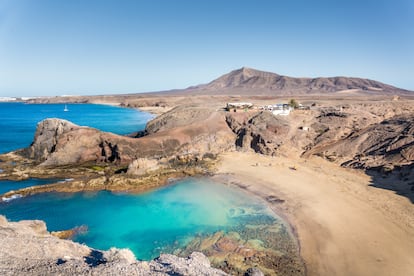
(56, 47)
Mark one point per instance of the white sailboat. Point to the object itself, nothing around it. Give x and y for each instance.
(66, 108)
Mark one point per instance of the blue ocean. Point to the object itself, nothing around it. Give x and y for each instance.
(18, 120)
(156, 222)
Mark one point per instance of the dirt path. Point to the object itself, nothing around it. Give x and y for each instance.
(344, 226)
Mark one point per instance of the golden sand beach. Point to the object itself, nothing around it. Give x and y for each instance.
(344, 226)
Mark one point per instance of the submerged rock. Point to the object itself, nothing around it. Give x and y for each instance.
(268, 249)
(71, 233)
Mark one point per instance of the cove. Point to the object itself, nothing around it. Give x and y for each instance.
(159, 221)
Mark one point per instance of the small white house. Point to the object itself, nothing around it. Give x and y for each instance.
(281, 109)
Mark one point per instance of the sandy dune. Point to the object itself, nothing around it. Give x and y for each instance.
(345, 226)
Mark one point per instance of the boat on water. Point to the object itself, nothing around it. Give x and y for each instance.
(66, 108)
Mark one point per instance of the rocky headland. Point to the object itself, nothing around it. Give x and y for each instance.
(172, 147)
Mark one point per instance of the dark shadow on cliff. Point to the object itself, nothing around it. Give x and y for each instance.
(60, 261)
(95, 258)
(398, 179)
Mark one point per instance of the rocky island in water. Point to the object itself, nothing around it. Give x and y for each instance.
(338, 168)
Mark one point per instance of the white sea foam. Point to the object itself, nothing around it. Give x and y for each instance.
(66, 180)
(10, 198)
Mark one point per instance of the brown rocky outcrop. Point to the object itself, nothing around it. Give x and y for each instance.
(389, 142)
(143, 166)
(262, 132)
(59, 142)
(47, 136)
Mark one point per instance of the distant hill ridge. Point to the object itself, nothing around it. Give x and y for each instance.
(246, 81)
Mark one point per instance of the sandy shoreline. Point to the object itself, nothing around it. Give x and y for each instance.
(344, 226)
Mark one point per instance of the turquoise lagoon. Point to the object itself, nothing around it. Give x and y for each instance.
(149, 224)
(158, 221)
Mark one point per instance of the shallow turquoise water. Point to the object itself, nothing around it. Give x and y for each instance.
(150, 223)
(18, 120)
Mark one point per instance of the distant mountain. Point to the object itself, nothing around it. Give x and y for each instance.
(248, 81)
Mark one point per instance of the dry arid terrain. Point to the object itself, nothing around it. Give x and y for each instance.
(340, 170)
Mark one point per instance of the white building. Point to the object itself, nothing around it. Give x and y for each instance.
(281, 109)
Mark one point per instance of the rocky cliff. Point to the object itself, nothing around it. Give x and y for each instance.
(390, 141)
(59, 142)
(263, 132)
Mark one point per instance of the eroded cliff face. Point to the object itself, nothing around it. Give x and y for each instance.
(261, 132)
(46, 137)
(388, 142)
(364, 142)
(59, 142)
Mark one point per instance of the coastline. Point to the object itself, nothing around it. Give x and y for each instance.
(341, 223)
(325, 245)
(153, 110)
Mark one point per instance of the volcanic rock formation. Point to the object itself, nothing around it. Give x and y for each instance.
(59, 142)
(248, 81)
(263, 133)
(389, 142)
